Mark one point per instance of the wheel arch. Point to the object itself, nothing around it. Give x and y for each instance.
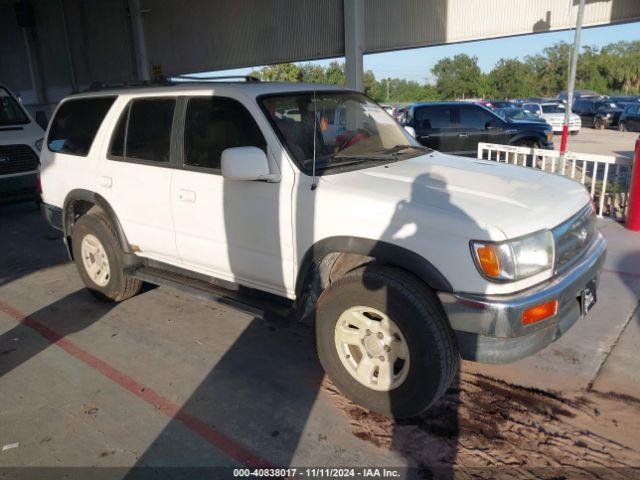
(364, 248)
(77, 203)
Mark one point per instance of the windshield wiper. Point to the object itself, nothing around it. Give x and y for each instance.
(399, 148)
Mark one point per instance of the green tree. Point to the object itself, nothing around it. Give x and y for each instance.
(510, 78)
(458, 77)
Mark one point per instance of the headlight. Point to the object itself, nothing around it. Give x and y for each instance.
(515, 259)
(608, 115)
(38, 144)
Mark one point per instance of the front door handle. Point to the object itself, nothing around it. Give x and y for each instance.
(463, 135)
(187, 195)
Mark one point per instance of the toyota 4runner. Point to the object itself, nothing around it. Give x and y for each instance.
(312, 202)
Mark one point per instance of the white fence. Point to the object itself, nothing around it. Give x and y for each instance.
(607, 177)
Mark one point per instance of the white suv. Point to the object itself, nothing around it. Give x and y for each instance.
(406, 259)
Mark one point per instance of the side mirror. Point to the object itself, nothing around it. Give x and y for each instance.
(41, 119)
(410, 130)
(246, 163)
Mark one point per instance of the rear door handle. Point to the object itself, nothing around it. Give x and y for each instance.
(106, 182)
(187, 195)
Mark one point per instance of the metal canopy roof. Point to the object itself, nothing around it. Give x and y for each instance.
(77, 42)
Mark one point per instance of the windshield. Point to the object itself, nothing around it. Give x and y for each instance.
(517, 114)
(10, 111)
(553, 108)
(350, 129)
(606, 105)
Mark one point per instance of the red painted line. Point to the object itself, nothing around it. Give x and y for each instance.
(222, 442)
(621, 273)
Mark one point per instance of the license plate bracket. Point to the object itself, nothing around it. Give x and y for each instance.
(588, 297)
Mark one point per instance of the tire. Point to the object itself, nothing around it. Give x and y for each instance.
(433, 355)
(530, 143)
(598, 124)
(622, 127)
(110, 283)
(574, 132)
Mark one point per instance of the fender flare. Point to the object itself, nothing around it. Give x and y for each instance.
(388, 253)
(98, 200)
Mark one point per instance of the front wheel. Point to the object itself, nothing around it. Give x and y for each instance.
(98, 259)
(383, 339)
(598, 124)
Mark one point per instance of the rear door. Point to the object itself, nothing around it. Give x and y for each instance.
(434, 128)
(586, 110)
(633, 118)
(135, 178)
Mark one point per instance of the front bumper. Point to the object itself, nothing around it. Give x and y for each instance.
(17, 186)
(490, 329)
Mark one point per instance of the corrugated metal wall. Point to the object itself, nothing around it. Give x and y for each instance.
(202, 35)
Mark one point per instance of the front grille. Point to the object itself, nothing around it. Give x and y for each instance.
(17, 159)
(573, 237)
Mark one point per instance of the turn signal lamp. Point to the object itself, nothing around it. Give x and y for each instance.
(488, 260)
(540, 312)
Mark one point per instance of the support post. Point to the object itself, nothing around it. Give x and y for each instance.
(572, 82)
(139, 43)
(633, 217)
(354, 42)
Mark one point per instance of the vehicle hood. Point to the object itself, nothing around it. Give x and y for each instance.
(26, 134)
(559, 116)
(528, 124)
(537, 121)
(486, 194)
(611, 110)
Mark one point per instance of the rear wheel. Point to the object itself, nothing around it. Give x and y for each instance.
(383, 338)
(98, 259)
(622, 127)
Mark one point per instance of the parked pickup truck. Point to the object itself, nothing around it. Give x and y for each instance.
(405, 259)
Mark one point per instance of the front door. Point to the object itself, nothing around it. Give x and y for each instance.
(229, 229)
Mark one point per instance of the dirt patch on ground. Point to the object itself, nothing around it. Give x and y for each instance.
(484, 428)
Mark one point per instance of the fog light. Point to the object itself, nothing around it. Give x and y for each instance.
(540, 312)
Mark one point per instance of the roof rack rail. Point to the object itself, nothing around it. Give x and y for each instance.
(246, 78)
(158, 81)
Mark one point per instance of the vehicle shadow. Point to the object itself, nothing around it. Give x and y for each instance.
(38, 331)
(28, 243)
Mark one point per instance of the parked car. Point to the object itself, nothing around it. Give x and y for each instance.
(20, 143)
(495, 104)
(405, 259)
(458, 127)
(579, 94)
(598, 114)
(553, 113)
(630, 119)
(624, 99)
(518, 115)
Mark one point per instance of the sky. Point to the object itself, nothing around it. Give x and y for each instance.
(415, 64)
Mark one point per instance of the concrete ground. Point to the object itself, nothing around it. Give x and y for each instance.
(167, 380)
(602, 142)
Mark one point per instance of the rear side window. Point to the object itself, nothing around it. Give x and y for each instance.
(76, 123)
(432, 117)
(143, 131)
(213, 124)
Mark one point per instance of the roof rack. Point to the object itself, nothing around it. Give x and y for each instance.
(162, 81)
(246, 78)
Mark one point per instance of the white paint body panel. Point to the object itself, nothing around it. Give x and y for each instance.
(256, 233)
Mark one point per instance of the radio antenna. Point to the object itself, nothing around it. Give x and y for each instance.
(315, 133)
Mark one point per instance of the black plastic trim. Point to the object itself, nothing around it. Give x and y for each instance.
(382, 251)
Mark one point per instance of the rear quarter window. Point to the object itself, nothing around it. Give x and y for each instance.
(76, 123)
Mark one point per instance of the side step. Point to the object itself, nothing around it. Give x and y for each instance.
(245, 299)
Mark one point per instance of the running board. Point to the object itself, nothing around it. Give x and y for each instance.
(259, 307)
